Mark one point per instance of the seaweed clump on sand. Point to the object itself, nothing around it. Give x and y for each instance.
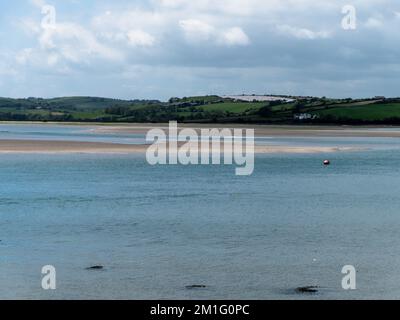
(196, 286)
(308, 289)
(95, 268)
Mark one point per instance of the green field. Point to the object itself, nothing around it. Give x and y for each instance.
(234, 107)
(207, 109)
(364, 112)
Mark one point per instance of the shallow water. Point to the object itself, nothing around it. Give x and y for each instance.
(159, 229)
(50, 132)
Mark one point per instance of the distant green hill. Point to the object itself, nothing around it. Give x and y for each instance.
(67, 102)
(63, 108)
(205, 109)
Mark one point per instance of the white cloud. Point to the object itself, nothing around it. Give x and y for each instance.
(131, 28)
(140, 38)
(170, 3)
(38, 3)
(302, 33)
(235, 36)
(113, 21)
(109, 38)
(197, 30)
(374, 23)
(244, 8)
(75, 43)
(66, 42)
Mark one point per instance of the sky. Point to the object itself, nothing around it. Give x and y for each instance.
(157, 49)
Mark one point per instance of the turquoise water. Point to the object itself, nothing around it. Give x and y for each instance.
(159, 229)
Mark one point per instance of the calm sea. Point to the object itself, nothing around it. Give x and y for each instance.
(157, 230)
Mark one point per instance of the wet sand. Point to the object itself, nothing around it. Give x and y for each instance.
(49, 147)
(260, 130)
(36, 146)
(265, 130)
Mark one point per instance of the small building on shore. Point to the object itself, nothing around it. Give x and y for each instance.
(305, 116)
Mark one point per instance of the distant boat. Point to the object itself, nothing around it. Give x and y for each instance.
(327, 162)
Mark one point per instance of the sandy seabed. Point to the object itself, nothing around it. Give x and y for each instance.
(265, 130)
(39, 146)
(49, 147)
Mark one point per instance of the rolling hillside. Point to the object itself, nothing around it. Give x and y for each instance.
(205, 109)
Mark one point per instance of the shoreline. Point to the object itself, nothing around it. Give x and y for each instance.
(71, 147)
(260, 130)
(265, 130)
(32, 146)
